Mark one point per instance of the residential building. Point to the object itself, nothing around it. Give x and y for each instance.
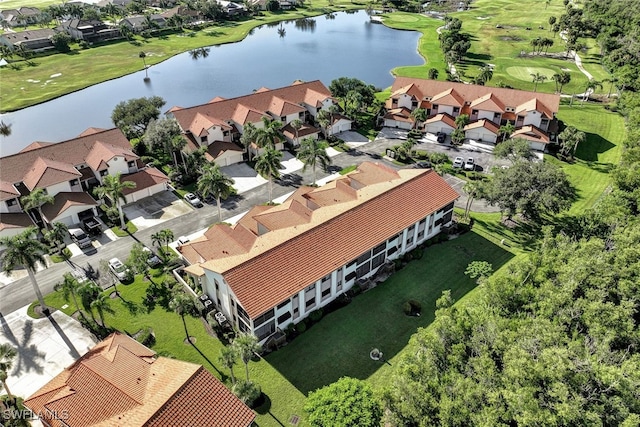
(90, 31)
(120, 382)
(144, 22)
(488, 109)
(279, 263)
(33, 40)
(224, 119)
(69, 171)
(20, 16)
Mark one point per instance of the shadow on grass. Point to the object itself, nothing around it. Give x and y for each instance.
(339, 344)
(594, 145)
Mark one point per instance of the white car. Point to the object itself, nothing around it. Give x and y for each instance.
(183, 240)
(118, 268)
(193, 200)
(470, 164)
(458, 162)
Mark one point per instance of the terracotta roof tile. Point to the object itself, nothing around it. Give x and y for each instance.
(401, 114)
(120, 383)
(65, 200)
(386, 203)
(488, 102)
(448, 97)
(217, 148)
(144, 179)
(45, 172)
(531, 133)
(483, 123)
(444, 118)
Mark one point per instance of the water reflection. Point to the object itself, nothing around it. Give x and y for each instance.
(305, 24)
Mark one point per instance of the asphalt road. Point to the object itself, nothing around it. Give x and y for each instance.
(19, 293)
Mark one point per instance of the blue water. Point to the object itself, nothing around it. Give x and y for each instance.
(348, 45)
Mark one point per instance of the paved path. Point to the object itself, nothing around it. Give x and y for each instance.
(19, 293)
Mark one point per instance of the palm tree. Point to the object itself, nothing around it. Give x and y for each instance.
(612, 80)
(113, 188)
(143, 55)
(296, 125)
(164, 236)
(486, 74)
(268, 166)
(24, 250)
(228, 358)
(591, 87)
(101, 305)
(35, 200)
(432, 74)
(537, 78)
(56, 235)
(88, 292)
(419, 115)
(311, 153)
(214, 182)
(325, 119)
(246, 345)
(506, 130)
(5, 129)
(570, 138)
(70, 287)
(462, 120)
(7, 354)
(248, 137)
(474, 190)
(561, 79)
(269, 135)
(183, 304)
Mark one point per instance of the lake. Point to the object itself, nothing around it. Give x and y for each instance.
(320, 48)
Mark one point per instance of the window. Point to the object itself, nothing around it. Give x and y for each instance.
(363, 270)
(262, 318)
(434, 107)
(326, 293)
(325, 287)
(283, 119)
(447, 217)
(496, 116)
(12, 202)
(474, 112)
(243, 314)
(351, 264)
(381, 247)
(349, 277)
(203, 139)
(225, 133)
(456, 110)
(265, 330)
(364, 257)
(392, 251)
(131, 164)
(310, 303)
(339, 280)
(286, 316)
(243, 327)
(438, 222)
(414, 104)
(282, 305)
(377, 261)
(74, 182)
(104, 172)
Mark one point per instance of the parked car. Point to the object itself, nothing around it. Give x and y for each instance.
(470, 164)
(153, 260)
(80, 238)
(458, 162)
(422, 165)
(118, 268)
(92, 226)
(440, 137)
(183, 240)
(193, 200)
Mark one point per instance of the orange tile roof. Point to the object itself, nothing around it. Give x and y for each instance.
(45, 172)
(444, 118)
(531, 133)
(488, 102)
(216, 148)
(535, 104)
(65, 200)
(448, 97)
(252, 107)
(121, 383)
(401, 114)
(144, 179)
(378, 203)
(547, 102)
(483, 123)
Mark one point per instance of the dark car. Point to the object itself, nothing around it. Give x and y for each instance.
(440, 137)
(422, 165)
(92, 226)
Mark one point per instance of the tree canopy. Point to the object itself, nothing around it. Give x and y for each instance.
(345, 403)
(133, 116)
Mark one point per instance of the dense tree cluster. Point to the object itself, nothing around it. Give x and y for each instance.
(453, 42)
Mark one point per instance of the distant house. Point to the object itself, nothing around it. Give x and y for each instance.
(231, 8)
(278, 264)
(69, 171)
(188, 15)
(20, 16)
(224, 119)
(33, 40)
(282, 4)
(120, 382)
(141, 23)
(488, 109)
(90, 31)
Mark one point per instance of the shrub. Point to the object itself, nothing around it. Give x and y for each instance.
(301, 327)
(412, 308)
(146, 337)
(315, 315)
(417, 253)
(290, 330)
(355, 290)
(438, 158)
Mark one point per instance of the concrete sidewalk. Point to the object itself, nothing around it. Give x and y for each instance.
(45, 347)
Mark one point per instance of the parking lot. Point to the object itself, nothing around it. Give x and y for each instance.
(156, 209)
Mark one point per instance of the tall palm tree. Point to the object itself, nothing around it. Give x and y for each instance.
(113, 188)
(24, 250)
(142, 55)
(537, 78)
(270, 134)
(433, 73)
(215, 183)
(7, 354)
(35, 200)
(56, 234)
(228, 358)
(183, 304)
(296, 125)
(486, 74)
(462, 120)
(313, 153)
(611, 80)
(506, 130)
(248, 137)
(70, 288)
(5, 129)
(246, 345)
(324, 119)
(562, 78)
(419, 115)
(164, 236)
(268, 166)
(101, 305)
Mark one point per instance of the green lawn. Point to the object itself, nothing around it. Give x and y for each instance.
(340, 343)
(594, 158)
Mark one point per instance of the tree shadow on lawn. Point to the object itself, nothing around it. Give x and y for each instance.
(340, 343)
(594, 145)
